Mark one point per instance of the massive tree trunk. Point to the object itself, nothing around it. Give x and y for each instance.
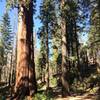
(64, 79)
(25, 70)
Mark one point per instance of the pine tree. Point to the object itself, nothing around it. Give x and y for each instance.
(69, 17)
(64, 78)
(6, 33)
(47, 17)
(94, 34)
(6, 40)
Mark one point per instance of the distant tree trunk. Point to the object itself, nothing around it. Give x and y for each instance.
(43, 77)
(47, 56)
(33, 84)
(0, 73)
(25, 71)
(6, 70)
(10, 70)
(77, 51)
(72, 41)
(65, 85)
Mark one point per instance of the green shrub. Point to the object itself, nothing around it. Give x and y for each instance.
(39, 96)
(43, 96)
(50, 95)
(53, 81)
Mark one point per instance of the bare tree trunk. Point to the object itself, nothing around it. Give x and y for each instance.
(33, 76)
(65, 85)
(0, 73)
(10, 70)
(6, 70)
(77, 51)
(47, 57)
(25, 71)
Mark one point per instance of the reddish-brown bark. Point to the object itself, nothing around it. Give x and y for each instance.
(25, 70)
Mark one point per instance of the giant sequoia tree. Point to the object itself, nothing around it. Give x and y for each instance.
(25, 75)
(25, 70)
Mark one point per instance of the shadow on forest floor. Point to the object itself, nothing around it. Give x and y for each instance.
(53, 94)
(5, 91)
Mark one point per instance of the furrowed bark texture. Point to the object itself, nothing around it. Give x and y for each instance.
(25, 71)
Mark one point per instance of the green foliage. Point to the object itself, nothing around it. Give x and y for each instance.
(46, 31)
(6, 33)
(94, 33)
(43, 96)
(53, 81)
(6, 39)
(73, 58)
(39, 96)
(47, 16)
(11, 4)
(40, 86)
(41, 63)
(50, 95)
(15, 3)
(69, 8)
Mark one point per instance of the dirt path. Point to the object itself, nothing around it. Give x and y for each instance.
(86, 96)
(83, 97)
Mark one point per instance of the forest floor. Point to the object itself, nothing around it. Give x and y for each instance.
(87, 95)
(82, 97)
(56, 94)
